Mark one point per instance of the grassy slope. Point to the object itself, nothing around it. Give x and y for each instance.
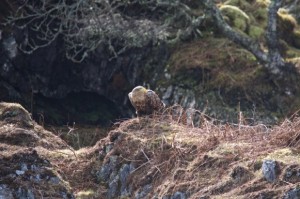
(214, 160)
(217, 161)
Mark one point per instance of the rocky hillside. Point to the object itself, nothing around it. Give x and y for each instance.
(153, 157)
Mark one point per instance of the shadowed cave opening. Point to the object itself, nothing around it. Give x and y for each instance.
(84, 108)
(81, 118)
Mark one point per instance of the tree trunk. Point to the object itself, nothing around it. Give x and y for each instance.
(275, 63)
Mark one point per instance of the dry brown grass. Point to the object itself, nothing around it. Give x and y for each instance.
(174, 153)
(200, 160)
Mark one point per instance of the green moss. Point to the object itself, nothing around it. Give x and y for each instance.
(240, 24)
(237, 18)
(208, 54)
(261, 16)
(286, 17)
(256, 32)
(242, 4)
(286, 21)
(263, 3)
(296, 38)
(292, 52)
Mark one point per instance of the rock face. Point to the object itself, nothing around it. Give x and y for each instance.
(47, 73)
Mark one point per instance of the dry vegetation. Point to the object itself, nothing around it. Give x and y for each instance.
(212, 160)
(215, 160)
(195, 159)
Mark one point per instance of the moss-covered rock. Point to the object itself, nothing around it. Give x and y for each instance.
(235, 17)
(286, 25)
(242, 4)
(296, 38)
(256, 32)
(263, 3)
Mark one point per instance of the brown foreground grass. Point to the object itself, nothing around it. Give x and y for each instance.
(213, 160)
(210, 161)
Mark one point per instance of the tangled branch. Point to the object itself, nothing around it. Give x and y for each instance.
(85, 25)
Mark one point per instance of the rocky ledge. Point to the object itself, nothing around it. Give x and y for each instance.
(25, 169)
(155, 157)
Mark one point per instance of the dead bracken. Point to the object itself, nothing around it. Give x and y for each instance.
(153, 157)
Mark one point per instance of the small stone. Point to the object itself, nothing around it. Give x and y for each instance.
(105, 171)
(179, 195)
(269, 170)
(144, 192)
(54, 180)
(292, 194)
(168, 93)
(108, 148)
(113, 186)
(24, 193)
(33, 167)
(24, 167)
(19, 172)
(5, 192)
(36, 178)
(124, 172)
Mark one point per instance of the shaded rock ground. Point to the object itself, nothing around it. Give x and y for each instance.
(154, 157)
(25, 168)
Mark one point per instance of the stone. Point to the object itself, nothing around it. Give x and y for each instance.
(19, 172)
(179, 195)
(54, 180)
(144, 192)
(269, 170)
(105, 171)
(24, 194)
(113, 186)
(292, 194)
(124, 172)
(5, 192)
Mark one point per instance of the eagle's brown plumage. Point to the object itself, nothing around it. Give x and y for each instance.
(145, 101)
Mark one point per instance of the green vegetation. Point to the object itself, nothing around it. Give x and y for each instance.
(235, 17)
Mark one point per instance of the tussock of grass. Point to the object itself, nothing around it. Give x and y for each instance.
(220, 160)
(204, 160)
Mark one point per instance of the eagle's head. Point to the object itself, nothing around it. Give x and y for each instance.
(138, 94)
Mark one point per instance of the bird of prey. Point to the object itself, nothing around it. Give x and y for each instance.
(145, 102)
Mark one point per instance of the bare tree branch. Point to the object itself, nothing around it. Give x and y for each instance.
(275, 60)
(270, 58)
(237, 37)
(84, 25)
